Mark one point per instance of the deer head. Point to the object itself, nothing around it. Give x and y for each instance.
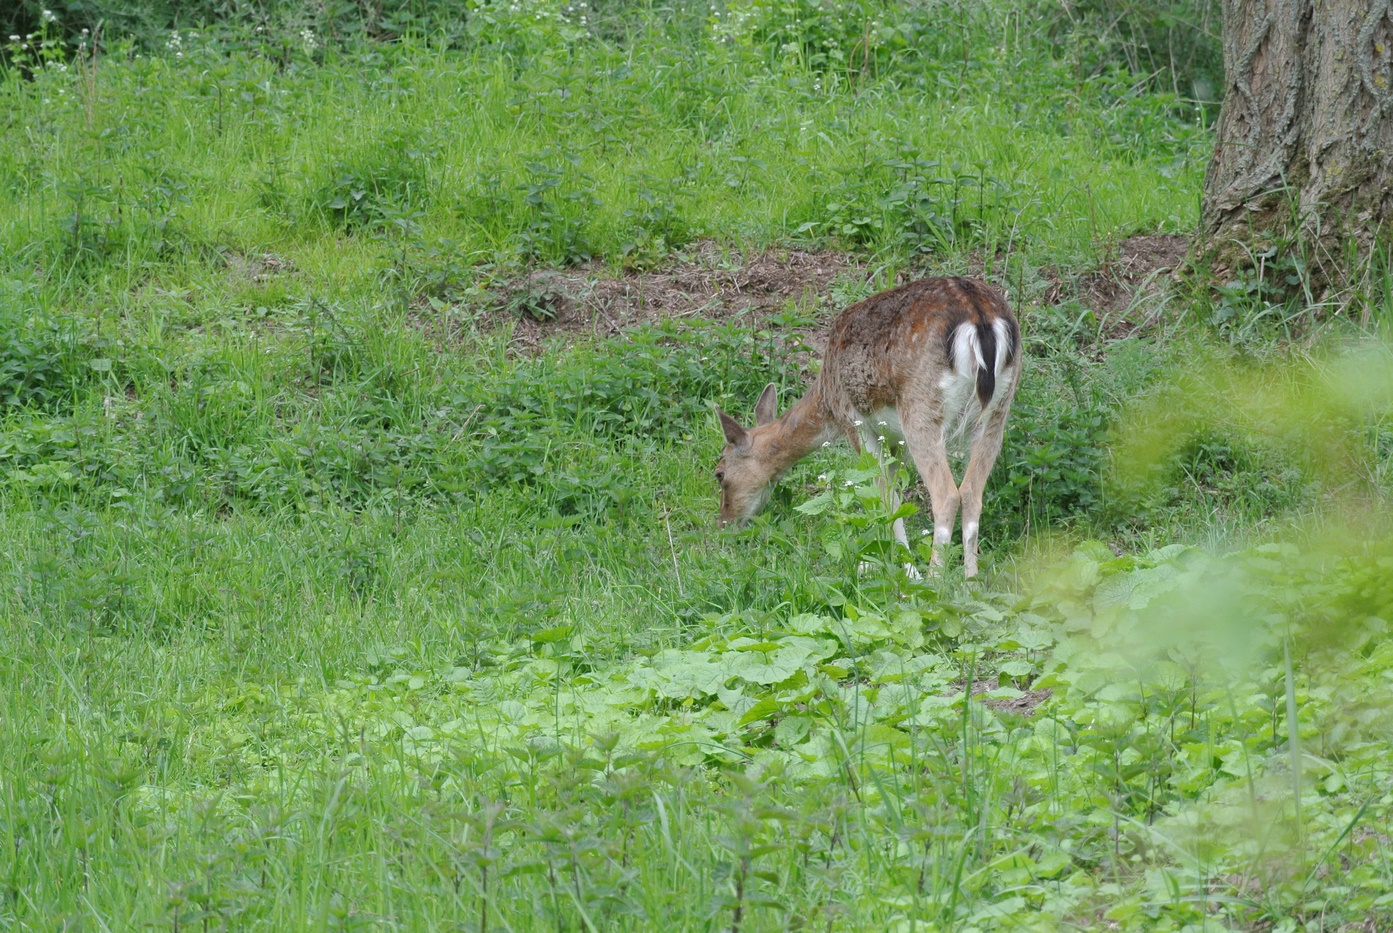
(745, 471)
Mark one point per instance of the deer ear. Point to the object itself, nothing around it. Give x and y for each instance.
(731, 428)
(767, 408)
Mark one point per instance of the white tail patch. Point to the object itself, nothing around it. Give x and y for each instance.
(1003, 344)
(967, 351)
(960, 385)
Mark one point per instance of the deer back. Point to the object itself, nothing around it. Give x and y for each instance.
(940, 344)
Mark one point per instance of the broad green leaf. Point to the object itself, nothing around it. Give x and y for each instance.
(761, 710)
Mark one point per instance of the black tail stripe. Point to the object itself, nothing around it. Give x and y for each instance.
(986, 373)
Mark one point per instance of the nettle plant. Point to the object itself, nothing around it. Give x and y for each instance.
(918, 205)
(528, 26)
(376, 186)
(824, 35)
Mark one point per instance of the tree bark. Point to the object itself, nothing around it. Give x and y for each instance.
(1304, 149)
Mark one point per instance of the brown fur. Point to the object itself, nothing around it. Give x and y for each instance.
(895, 350)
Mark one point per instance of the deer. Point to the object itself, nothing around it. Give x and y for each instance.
(921, 363)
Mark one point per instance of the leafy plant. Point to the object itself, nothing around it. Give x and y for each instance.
(383, 185)
(820, 35)
(558, 201)
(44, 359)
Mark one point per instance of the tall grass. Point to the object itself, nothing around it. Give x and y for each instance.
(586, 149)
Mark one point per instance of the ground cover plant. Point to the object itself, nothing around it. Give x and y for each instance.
(356, 381)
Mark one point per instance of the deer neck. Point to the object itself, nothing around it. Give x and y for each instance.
(798, 432)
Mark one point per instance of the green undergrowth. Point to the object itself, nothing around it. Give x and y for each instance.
(426, 160)
(323, 605)
(772, 768)
(333, 412)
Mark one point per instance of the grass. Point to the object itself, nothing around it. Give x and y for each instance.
(323, 607)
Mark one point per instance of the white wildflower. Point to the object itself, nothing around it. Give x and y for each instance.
(47, 16)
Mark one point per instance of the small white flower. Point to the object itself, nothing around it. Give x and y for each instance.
(47, 16)
(858, 423)
(826, 443)
(901, 443)
(880, 424)
(14, 38)
(848, 483)
(923, 531)
(822, 477)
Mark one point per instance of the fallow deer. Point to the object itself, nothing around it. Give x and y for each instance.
(922, 362)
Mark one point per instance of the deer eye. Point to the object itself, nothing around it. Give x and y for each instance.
(720, 476)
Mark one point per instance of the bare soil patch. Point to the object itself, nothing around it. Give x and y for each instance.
(1138, 267)
(1023, 705)
(716, 283)
(257, 268)
(710, 283)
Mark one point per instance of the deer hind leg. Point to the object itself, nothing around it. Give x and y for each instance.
(924, 437)
(985, 447)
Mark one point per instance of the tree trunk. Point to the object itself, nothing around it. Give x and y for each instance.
(1304, 150)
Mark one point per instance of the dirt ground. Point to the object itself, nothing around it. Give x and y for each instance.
(717, 283)
(1023, 705)
(710, 282)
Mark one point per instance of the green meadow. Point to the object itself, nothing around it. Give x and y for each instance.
(348, 583)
